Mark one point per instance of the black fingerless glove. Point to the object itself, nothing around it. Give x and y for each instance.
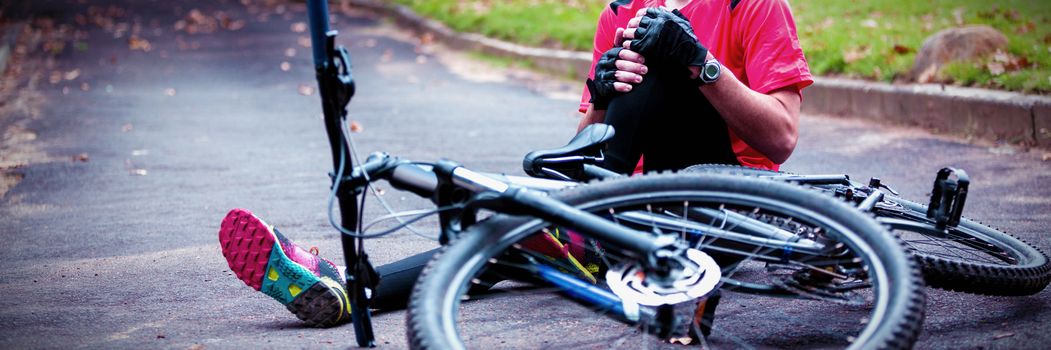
(666, 37)
(601, 88)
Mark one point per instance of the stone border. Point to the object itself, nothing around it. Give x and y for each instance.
(990, 115)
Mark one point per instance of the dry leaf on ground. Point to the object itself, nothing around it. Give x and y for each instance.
(855, 54)
(136, 43)
(306, 90)
(299, 27)
(902, 49)
(71, 75)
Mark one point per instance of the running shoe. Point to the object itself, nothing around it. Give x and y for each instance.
(309, 286)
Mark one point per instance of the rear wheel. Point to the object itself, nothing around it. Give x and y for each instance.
(970, 257)
(796, 269)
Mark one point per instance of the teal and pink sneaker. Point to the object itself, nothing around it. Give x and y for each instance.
(309, 286)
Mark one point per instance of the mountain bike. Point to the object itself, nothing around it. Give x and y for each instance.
(626, 262)
(955, 253)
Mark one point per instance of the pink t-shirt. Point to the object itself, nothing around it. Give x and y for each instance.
(756, 41)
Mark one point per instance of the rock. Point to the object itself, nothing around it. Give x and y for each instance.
(955, 44)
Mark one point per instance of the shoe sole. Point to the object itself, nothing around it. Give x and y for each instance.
(249, 248)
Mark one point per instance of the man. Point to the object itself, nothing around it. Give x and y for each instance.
(712, 81)
(646, 81)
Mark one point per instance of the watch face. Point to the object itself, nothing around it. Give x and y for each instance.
(711, 71)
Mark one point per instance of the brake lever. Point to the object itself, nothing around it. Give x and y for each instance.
(875, 183)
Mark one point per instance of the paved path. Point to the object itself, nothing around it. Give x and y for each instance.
(119, 251)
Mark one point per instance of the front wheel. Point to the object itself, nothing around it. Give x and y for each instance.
(798, 270)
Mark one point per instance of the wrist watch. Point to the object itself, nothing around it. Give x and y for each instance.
(710, 72)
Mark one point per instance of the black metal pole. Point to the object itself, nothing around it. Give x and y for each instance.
(336, 88)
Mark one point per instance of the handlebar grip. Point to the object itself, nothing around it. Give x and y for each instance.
(413, 178)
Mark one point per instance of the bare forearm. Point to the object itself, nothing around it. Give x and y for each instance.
(768, 123)
(591, 117)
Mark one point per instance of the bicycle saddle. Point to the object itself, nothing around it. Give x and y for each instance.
(586, 146)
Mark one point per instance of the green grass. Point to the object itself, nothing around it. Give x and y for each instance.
(561, 24)
(858, 38)
(869, 39)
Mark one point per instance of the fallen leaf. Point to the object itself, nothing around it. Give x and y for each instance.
(1026, 27)
(1003, 335)
(136, 43)
(902, 49)
(1003, 149)
(290, 52)
(427, 38)
(55, 78)
(304, 41)
(85, 86)
(995, 68)
(1046, 157)
(1001, 56)
(299, 27)
(355, 126)
(83, 157)
(1022, 62)
(169, 92)
(306, 90)
(234, 25)
(71, 75)
(852, 55)
(285, 66)
(957, 14)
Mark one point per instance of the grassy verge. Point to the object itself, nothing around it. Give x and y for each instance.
(878, 39)
(558, 24)
(870, 39)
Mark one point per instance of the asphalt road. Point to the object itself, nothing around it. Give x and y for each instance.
(109, 241)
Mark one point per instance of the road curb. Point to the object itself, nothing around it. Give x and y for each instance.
(990, 115)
